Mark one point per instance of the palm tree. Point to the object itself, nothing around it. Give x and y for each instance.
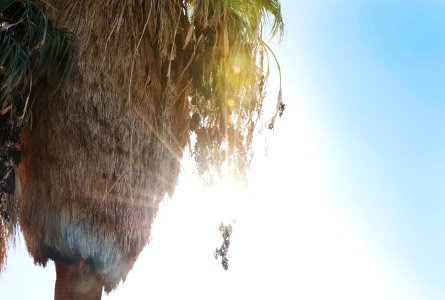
(107, 107)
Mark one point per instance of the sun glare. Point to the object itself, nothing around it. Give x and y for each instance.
(288, 241)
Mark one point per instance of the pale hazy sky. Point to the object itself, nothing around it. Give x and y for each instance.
(349, 202)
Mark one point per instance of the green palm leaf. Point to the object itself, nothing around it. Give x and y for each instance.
(31, 48)
(228, 76)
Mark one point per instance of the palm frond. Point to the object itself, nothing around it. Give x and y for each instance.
(31, 48)
(229, 76)
(14, 62)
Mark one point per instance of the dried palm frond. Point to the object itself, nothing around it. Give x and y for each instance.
(152, 74)
(226, 65)
(8, 225)
(228, 79)
(31, 48)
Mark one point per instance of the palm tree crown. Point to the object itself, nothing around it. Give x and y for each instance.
(134, 82)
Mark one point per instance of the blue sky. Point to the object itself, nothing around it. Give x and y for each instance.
(355, 172)
(374, 71)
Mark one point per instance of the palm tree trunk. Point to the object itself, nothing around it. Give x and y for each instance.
(76, 281)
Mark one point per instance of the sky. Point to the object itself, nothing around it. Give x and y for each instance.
(346, 201)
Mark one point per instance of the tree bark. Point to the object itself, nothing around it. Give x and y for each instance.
(76, 280)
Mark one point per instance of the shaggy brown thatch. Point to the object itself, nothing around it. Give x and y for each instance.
(30, 48)
(99, 154)
(102, 153)
(8, 226)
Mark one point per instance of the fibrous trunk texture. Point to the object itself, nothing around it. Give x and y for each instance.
(102, 152)
(76, 281)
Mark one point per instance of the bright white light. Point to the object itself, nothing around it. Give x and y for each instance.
(288, 241)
